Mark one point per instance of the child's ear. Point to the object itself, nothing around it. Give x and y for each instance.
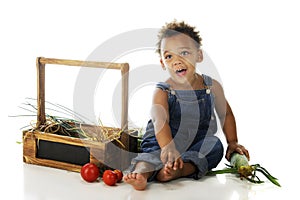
(200, 56)
(162, 64)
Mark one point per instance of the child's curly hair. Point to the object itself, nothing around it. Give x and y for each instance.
(174, 28)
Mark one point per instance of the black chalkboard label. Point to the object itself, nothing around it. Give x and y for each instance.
(72, 154)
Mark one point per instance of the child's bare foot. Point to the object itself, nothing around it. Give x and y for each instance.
(167, 173)
(139, 177)
(137, 180)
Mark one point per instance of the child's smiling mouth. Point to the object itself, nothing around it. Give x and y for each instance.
(181, 71)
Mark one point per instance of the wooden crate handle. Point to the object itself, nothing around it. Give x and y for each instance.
(40, 64)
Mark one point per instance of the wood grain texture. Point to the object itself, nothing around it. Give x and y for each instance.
(98, 150)
(100, 153)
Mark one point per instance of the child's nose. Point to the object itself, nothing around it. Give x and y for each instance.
(177, 61)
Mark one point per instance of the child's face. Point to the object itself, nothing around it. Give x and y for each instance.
(179, 55)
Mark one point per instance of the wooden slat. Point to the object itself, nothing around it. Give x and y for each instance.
(29, 146)
(54, 164)
(125, 85)
(41, 117)
(79, 63)
(69, 140)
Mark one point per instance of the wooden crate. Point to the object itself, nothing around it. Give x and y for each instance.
(70, 153)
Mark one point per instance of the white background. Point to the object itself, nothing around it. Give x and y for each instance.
(254, 45)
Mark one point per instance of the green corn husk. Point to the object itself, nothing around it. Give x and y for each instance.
(238, 160)
(239, 165)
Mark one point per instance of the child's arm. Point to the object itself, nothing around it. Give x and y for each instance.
(160, 119)
(227, 122)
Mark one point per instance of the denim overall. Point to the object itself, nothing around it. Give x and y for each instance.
(193, 125)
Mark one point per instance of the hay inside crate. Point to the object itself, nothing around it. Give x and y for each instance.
(69, 152)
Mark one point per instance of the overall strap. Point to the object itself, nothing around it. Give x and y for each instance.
(163, 86)
(207, 80)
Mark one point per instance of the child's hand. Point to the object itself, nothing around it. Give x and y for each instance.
(171, 157)
(235, 147)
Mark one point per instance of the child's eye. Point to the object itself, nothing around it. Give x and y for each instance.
(184, 53)
(168, 57)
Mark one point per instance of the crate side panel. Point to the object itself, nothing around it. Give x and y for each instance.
(73, 154)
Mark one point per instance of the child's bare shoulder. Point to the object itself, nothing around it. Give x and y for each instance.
(160, 95)
(216, 83)
(217, 87)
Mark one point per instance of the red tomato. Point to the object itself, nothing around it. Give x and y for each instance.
(119, 175)
(89, 172)
(109, 177)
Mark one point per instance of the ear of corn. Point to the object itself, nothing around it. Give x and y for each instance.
(239, 165)
(238, 160)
